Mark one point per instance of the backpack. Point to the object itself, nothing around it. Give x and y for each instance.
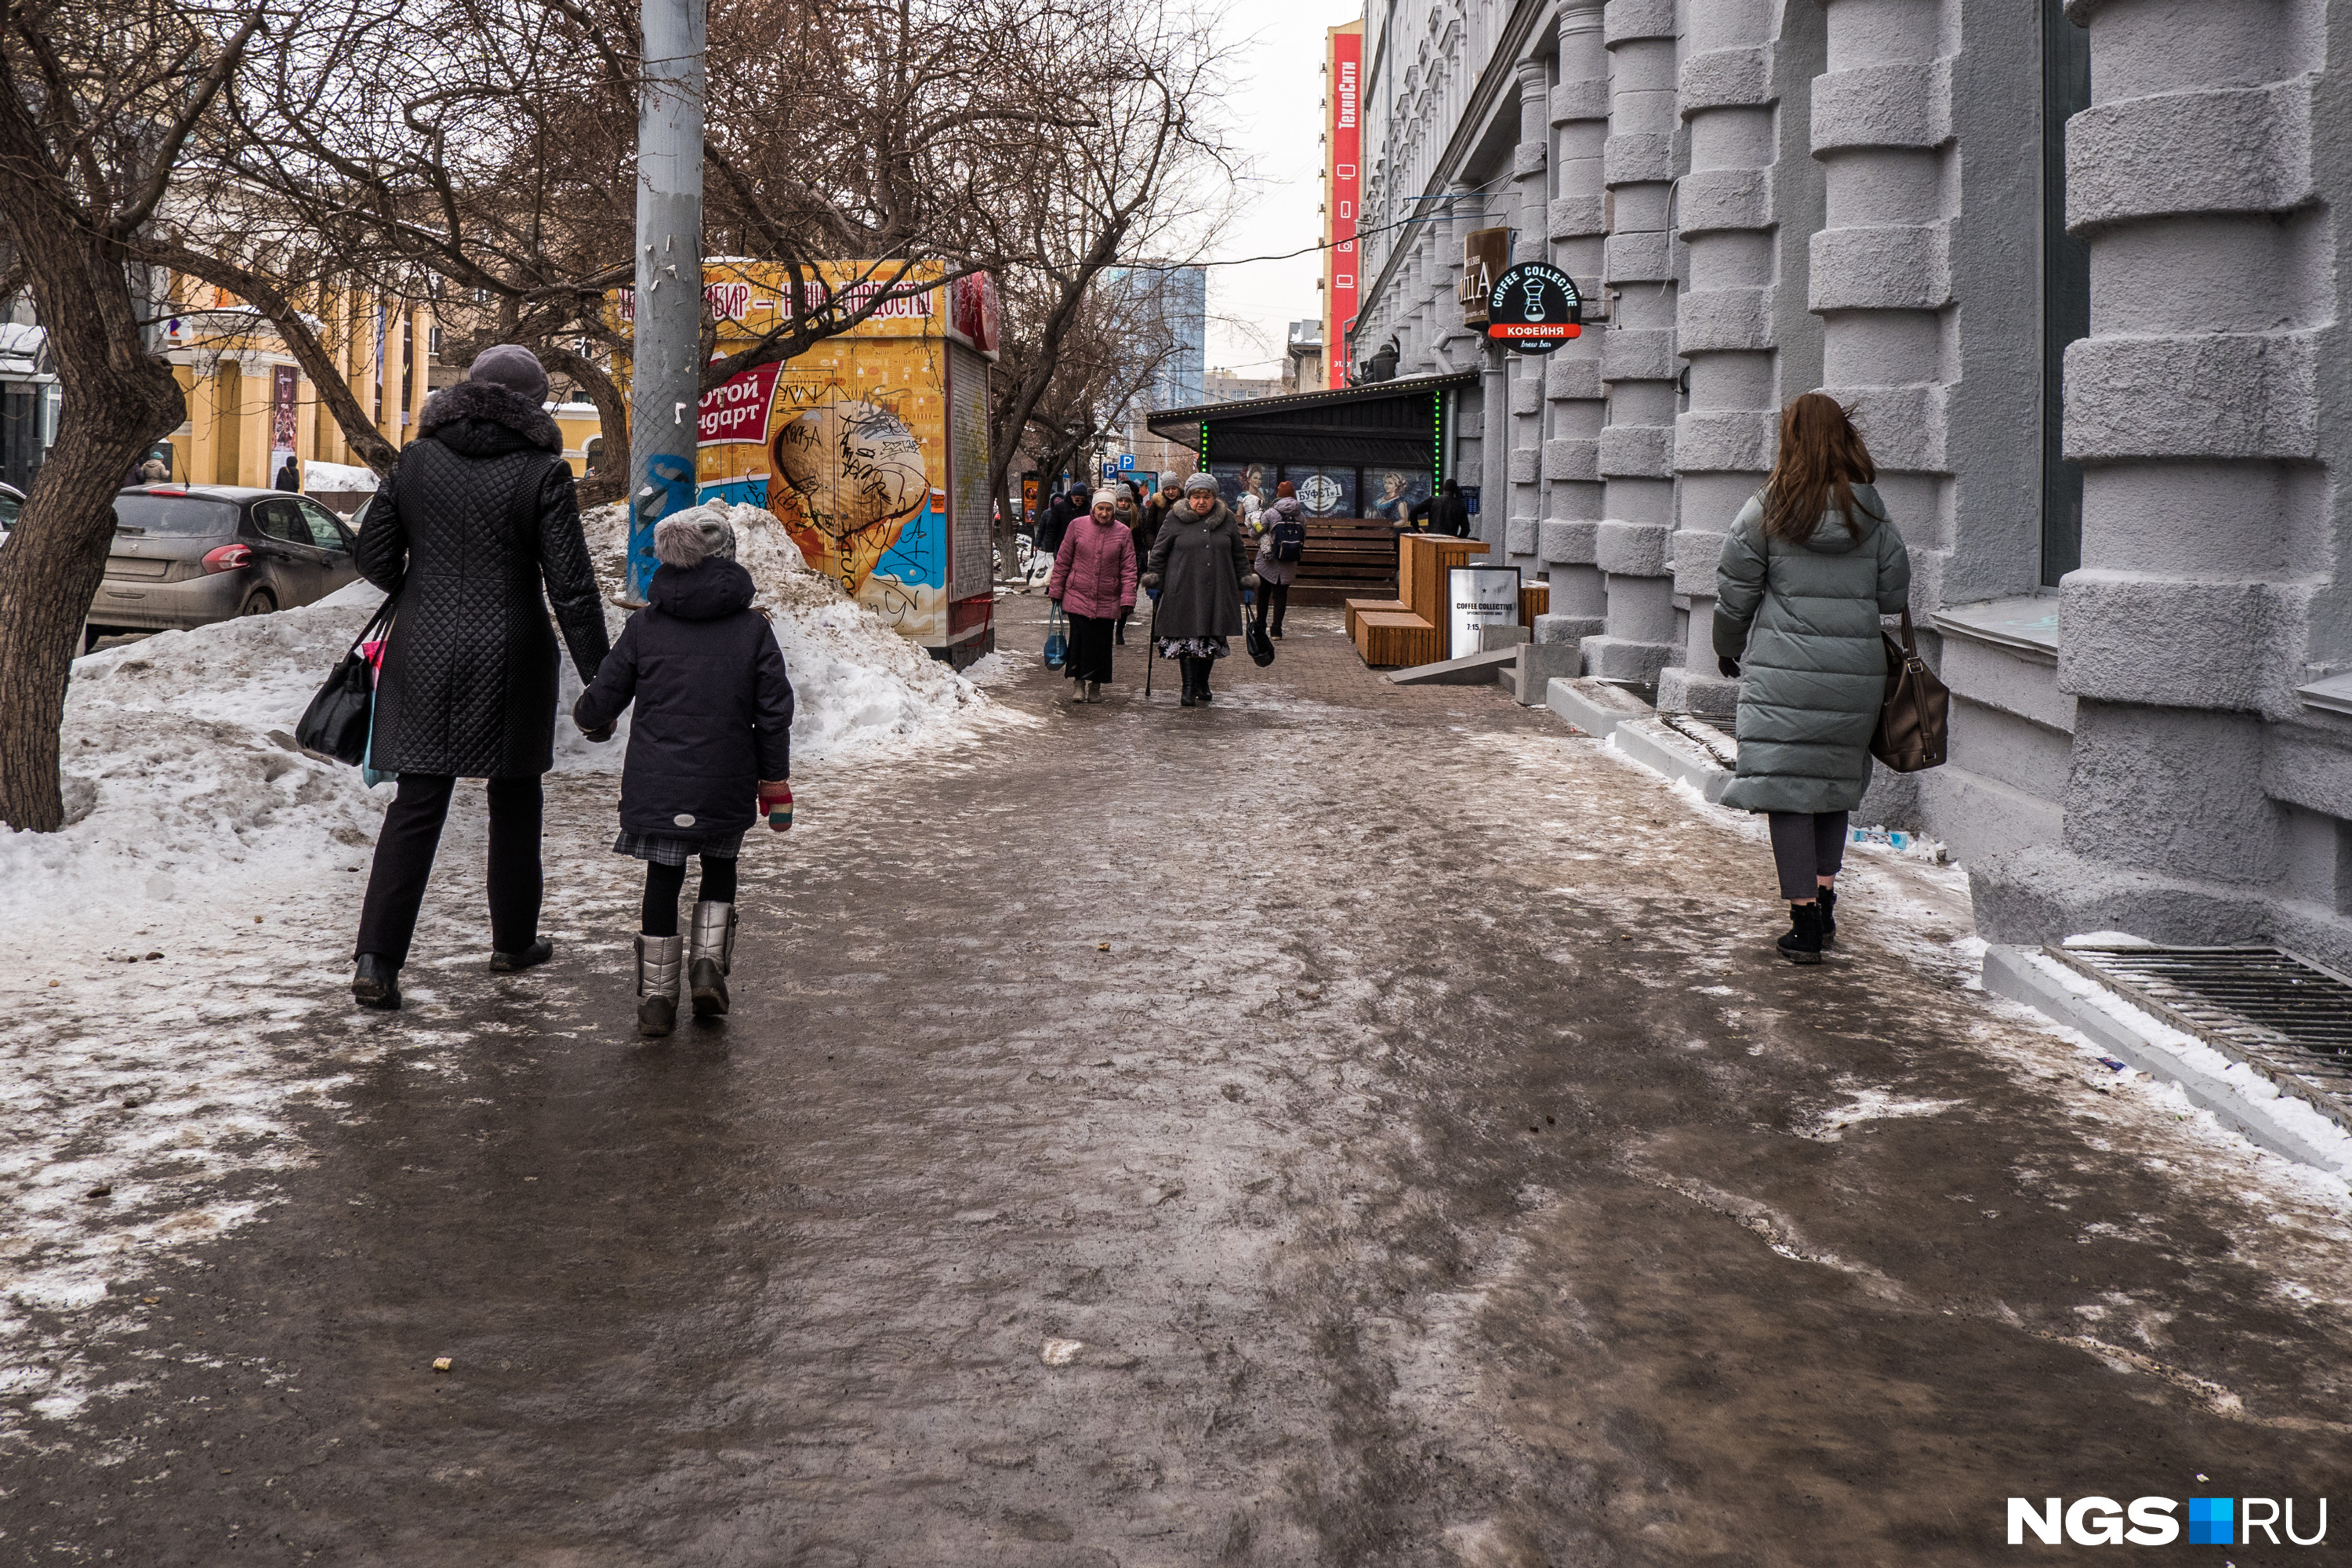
(1289, 540)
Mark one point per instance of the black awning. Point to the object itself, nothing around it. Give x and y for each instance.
(1386, 422)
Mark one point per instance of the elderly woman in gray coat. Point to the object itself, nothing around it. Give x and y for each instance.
(1200, 564)
(1809, 566)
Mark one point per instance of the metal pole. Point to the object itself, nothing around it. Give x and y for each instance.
(665, 369)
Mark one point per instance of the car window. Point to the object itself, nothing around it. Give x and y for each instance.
(282, 519)
(182, 516)
(325, 532)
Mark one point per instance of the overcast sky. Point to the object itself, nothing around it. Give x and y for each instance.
(1275, 115)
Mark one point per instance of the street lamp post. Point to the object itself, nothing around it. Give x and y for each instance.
(665, 386)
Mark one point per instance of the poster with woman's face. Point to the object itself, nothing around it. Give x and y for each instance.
(1230, 479)
(1394, 492)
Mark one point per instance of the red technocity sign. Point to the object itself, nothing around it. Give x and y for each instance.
(1345, 136)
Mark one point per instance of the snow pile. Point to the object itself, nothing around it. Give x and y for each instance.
(857, 681)
(337, 478)
(186, 784)
(180, 761)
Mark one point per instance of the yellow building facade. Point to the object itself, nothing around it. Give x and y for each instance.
(250, 406)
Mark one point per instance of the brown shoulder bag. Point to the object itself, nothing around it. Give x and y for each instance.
(1914, 721)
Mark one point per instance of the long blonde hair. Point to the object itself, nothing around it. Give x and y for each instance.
(1822, 460)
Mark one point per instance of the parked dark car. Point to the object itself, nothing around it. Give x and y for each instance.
(188, 555)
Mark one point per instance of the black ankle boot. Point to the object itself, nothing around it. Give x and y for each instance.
(537, 953)
(1826, 901)
(375, 982)
(1803, 943)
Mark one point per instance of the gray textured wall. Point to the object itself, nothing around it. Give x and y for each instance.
(1781, 195)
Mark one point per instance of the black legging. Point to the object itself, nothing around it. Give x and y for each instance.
(404, 864)
(1275, 597)
(659, 915)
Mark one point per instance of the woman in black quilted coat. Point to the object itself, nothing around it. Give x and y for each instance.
(477, 512)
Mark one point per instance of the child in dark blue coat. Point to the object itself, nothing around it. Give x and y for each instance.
(712, 734)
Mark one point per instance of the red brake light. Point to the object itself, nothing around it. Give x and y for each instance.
(227, 558)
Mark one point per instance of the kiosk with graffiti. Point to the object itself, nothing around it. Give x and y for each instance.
(857, 446)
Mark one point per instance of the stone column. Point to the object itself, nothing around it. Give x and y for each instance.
(2205, 803)
(1493, 521)
(1637, 358)
(1723, 443)
(1577, 221)
(1881, 268)
(1530, 221)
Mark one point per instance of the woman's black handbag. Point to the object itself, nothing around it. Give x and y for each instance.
(1261, 646)
(336, 723)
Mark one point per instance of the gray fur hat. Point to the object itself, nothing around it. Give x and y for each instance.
(1200, 483)
(692, 537)
(512, 366)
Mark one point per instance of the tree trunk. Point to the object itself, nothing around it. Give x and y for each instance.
(55, 560)
(608, 477)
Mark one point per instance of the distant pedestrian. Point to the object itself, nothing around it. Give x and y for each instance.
(1449, 513)
(289, 476)
(1279, 550)
(710, 740)
(1200, 563)
(478, 512)
(154, 472)
(1051, 523)
(1094, 581)
(1169, 495)
(1810, 563)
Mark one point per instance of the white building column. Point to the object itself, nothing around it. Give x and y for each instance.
(1637, 360)
(1724, 443)
(2205, 803)
(1881, 269)
(1576, 223)
(1530, 201)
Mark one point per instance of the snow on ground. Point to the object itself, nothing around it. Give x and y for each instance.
(173, 989)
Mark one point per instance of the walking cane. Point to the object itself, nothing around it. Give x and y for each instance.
(1152, 642)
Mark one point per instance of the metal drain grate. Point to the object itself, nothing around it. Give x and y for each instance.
(2289, 1020)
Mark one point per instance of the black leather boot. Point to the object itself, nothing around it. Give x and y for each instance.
(1826, 901)
(1192, 681)
(1803, 943)
(537, 953)
(375, 982)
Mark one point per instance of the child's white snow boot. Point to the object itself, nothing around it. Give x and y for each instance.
(658, 960)
(711, 958)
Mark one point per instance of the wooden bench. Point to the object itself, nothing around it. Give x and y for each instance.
(1387, 638)
(1378, 607)
(1344, 556)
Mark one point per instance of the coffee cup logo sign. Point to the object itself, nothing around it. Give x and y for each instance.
(1534, 308)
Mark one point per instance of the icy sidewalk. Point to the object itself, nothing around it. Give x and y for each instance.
(174, 999)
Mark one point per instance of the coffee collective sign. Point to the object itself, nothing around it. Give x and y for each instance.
(1534, 308)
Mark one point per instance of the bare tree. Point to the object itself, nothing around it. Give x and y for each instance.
(98, 98)
(1121, 176)
(455, 151)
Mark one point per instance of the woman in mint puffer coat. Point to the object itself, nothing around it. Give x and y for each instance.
(1810, 565)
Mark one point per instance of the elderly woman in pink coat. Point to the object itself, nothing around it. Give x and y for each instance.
(1092, 581)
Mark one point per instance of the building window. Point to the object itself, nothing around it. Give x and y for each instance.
(2065, 288)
